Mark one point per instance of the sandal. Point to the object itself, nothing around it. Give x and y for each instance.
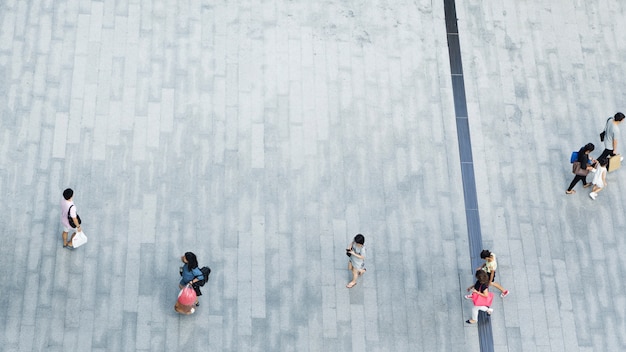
(469, 321)
(570, 192)
(350, 285)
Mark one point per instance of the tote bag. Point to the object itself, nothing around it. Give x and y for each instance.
(481, 300)
(615, 162)
(79, 239)
(577, 170)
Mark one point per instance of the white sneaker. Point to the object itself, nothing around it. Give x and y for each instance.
(621, 158)
(593, 195)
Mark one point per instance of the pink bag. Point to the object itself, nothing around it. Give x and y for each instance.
(481, 300)
(187, 296)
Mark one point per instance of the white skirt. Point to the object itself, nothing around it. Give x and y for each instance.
(597, 177)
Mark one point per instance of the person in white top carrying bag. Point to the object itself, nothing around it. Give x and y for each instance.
(69, 218)
(490, 266)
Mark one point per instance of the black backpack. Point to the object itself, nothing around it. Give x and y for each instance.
(206, 271)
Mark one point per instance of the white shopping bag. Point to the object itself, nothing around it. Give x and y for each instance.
(79, 239)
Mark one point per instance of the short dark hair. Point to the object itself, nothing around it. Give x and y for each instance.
(68, 193)
(359, 239)
(618, 116)
(485, 254)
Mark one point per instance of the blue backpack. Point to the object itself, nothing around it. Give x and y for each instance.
(574, 158)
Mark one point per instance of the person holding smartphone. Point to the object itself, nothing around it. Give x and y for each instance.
(356, 253)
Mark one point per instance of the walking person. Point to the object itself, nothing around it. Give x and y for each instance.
(68, 211)
(190, 273)
(599, 178)
(611, 136)
(582, 168)
(490, 267)
(479, 294)
(356, 253)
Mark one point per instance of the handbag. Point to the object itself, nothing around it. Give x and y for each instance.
(79, 239)
(603, 134)
(615, 162)
(187, 296)
(482, 300)
(577, 170)
(70, 220)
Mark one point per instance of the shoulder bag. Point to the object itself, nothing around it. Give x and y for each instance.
(482, 300)
(603, 134)
(70, 220)
(577, 170)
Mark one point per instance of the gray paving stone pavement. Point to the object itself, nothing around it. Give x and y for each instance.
(262, 135)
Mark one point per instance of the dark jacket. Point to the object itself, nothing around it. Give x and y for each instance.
(583, 158)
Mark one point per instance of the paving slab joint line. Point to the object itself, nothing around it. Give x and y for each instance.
(485, 334)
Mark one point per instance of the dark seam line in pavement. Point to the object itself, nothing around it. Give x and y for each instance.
(485, 335)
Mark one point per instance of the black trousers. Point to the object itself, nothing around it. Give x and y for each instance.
(575, 181)
(197, 289)
(606, 153)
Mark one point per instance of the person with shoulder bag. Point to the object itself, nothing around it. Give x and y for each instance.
(610, 136)
(70, 221)
(581, 167)
(190, 274)
(480, 296)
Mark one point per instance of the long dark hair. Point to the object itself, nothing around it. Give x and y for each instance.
(192, 261)
(589, 147)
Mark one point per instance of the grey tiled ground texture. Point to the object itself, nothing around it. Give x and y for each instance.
(262, 135)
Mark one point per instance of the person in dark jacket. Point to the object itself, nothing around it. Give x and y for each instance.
(583, 159)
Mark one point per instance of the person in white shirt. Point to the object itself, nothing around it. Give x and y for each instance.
(490, 267)
(599, 178)
(68, 210)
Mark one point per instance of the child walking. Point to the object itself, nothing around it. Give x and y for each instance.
(599, 179)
